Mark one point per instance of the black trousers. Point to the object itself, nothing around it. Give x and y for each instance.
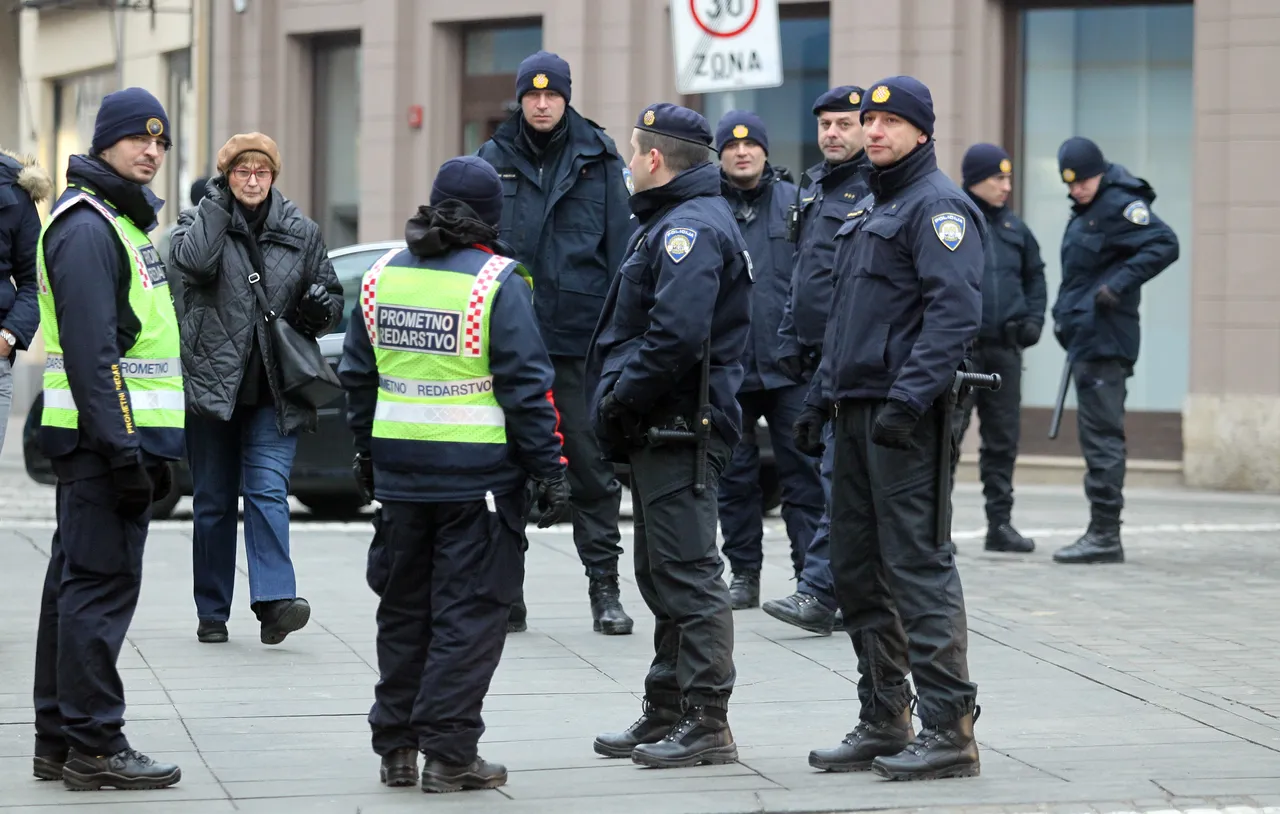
(1101, 390)
(595, 493)
(446, 574)
(896, 583)
(1000, 417)
(90, 592)
(681, 576)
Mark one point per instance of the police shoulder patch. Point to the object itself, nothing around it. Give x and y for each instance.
(1137, 212)
(949, 227)
(678, 241)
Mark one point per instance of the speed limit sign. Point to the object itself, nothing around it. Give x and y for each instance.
(726, 45)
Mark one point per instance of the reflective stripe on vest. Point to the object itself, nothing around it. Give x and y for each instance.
(430, 335)
(151, 371)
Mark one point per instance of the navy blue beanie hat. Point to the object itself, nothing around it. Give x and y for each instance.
(543, 71)
(1079, 158)
(128, 112)
(741, 124)
(843, 99)
(903, 96)
(981, 161)
(675, 121)
(473, 181)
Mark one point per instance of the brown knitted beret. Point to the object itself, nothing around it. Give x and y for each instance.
(242, 143)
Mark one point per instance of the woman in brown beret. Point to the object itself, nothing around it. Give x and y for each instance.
(241, 431)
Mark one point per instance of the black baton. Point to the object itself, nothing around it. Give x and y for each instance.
(963, 379)
(1055, 423)
(701, 433)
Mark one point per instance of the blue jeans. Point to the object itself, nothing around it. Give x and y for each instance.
(815, 579)
(246, 453)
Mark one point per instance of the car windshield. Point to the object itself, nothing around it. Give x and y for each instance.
(350, 269)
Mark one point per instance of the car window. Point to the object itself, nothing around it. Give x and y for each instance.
(350, 269)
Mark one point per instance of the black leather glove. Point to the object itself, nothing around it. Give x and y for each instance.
(553, 499)
(362, 469)
(1106, 298)
(894, 426)
(623, 425)
(793, 368)
(133, 489)
(1028, 333)
(807, 432)
(313, 309)
(163, 482)
(219, 192)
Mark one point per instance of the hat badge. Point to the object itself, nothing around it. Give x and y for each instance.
(540, 81)
(155, 127)
(1006, 165)
(855, 98)
(740, 131)
(1068, 175)
(880, 95)
(649, 118)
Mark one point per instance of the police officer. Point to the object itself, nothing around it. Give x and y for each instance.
(566, 219)
(683, 292)
(447, 382)
(1013, 304)
(906, 305)
(23, 186)
(1114, 243)
(832, 190)
(113, 418)
(760, 199)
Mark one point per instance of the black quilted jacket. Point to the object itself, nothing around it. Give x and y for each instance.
(209, 249)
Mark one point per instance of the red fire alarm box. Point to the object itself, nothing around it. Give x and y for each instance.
(415, 116)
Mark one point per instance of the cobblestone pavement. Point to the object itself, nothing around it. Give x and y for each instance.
(1151, 686)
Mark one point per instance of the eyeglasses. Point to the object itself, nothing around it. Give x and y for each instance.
(242, 174)
(143, 142)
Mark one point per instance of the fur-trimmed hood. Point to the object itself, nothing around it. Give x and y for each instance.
(31, 176)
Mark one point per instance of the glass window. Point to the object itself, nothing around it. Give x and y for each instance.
(787, 110)
(1122, 77)
(181, 107)
(491, 51)
(77, 101)
(337, 139)
(350, 269)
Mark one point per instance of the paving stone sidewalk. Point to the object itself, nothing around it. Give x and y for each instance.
(1149, 686)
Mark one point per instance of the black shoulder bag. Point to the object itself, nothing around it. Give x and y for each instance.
(305, 375)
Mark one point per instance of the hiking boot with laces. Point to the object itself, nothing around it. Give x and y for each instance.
(399, 767)
(744, 591)
(804, 611)
(1100, 544)
(1005, 538)
(607, 614)
(127, 769)
(651, 727)
(868, 741)
(947, 750)
(701, 736)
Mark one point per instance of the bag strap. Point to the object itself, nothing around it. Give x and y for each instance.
(255, 283)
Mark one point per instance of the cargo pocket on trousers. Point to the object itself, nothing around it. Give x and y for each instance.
(501, 578)
(378, 569)
(679, 525)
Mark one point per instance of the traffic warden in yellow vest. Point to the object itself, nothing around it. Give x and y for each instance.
(113, 418)
(684, 290)
(449, 397)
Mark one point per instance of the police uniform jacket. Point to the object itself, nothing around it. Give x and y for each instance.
(687, 277)
(828, 195)
(762, 218)
(1116, 241)
(19, 234)
(522, 381)
(908, 298)
(90, 274)
(1013, 288)
(565, 216)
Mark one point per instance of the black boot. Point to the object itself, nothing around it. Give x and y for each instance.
(937, 752)
(701, 736)
(399, 767)
(439, 777)
(1004, 537)
(803, 611)
(48, 765)
(211, 632)
(1100, 544)
(280, 617)
(607, 615)
(518, 618)
(652, 727)
(128, 770)
(744, 591)
(868, 741)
